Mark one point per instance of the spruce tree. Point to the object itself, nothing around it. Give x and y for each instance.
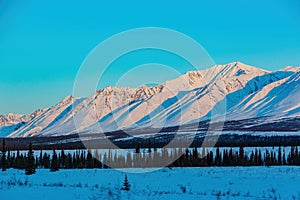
(126, 185)
(283, 157)
(97, 160)
(211, 158)
(13, 161)
(268, 160)
(30, 166)
(260, 158)
(69, 161)
(63, 159)
(54, 162)
(186, 158)
(8, 160)
(81, 160)
(41, 162)
(22, 161)
(196, 161)
(89, 160)
(3, 156)
(255, 158)
(242, 160)
(218, 157)
(231, 158)
(251, 161)
(18, 160)
(204, 157)
(46, 161)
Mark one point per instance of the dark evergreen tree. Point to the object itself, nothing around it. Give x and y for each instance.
(283, 157)
(255, 162)
(54, 162)
(30, 165)
(41, 162)
(69, 163)
(196, 160)
(225, 158)
(204, 157)
(23, 162)
(242, 160)
(89, 160)
(3, 156)
(46, 161)
(74, 160)
(13, 161)
(126, 185)
(251, 161)
(81, 161)
(260, 162)
(186, 161)
(8, 160)
(268, 160)
(18, 160)
(63, 159)
(210, 158)
(297, 158)
(218, 157)
(97, 159)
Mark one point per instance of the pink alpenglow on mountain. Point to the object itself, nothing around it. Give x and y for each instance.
(241, 91)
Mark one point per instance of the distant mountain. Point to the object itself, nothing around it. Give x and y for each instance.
(235, 91)
(11, 122)
(10, 119)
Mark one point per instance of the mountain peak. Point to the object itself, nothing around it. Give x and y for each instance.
(13, 116)
(10, 119)
(242, 66)
(291, 69)
(68, 99)
(235, 69)
(110, 88)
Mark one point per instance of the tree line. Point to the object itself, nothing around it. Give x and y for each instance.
(178, 157)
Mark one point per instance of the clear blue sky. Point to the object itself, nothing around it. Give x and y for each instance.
(43, 43)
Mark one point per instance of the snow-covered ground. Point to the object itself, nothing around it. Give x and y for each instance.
(176, 183)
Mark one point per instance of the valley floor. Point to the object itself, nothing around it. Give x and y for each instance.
(175, 183)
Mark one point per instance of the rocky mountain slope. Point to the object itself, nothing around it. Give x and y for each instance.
(234, 91)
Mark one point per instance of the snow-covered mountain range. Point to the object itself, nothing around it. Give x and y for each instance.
(234, 91)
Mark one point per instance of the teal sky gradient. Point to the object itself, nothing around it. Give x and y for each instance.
(43, 43)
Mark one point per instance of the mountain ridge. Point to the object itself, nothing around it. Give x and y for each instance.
(246, 90)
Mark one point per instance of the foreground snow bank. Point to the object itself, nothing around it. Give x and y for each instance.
(176, 183)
